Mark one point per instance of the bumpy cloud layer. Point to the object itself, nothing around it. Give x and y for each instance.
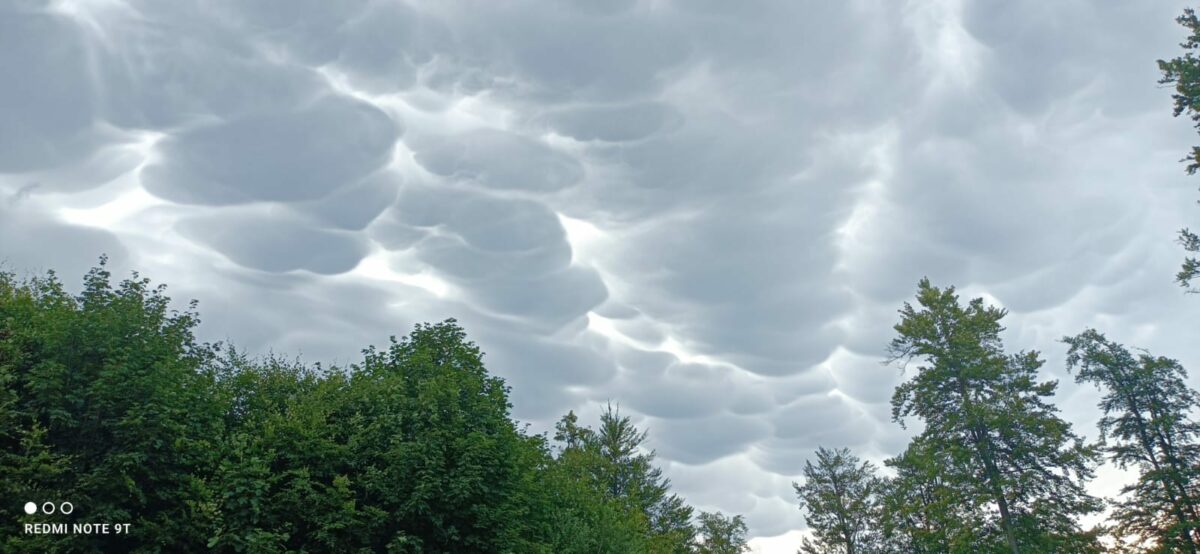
(706, 211)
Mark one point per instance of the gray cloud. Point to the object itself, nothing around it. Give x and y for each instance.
(275, 242)
(48, 104)
(613, 123)
(705, 211)
(291, 155)
(500, 160)
(26, 238)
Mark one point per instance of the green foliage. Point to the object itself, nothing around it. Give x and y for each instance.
(1184, 73)
(105, 404)
(410, 450)
(840, 498)
(108, 401)
(987, 415)
(921, 511)
(612, 461)
(1148, 426)
(1191, 266)
(719, 534)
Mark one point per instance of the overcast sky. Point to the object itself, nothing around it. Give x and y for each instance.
(705, 211)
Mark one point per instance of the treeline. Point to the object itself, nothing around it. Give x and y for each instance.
(108, 401)
(994, 468)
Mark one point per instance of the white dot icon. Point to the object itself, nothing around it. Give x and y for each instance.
(30, 508)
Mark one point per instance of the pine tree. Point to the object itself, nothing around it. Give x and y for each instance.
(1148, 425)
(986, 409)
(614, 460)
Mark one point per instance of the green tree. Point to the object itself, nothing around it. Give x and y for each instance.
(613, 459)
(1184, 73)
(105, 403)
(720, 534)
(629, 473)
(986, 411)
(920, 512)
(108, 401)
(410, 450)
(1147, 425)
(840, 501)
(588, 519)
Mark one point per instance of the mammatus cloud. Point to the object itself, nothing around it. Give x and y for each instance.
(705, 211)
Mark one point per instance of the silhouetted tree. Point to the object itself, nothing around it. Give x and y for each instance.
(1184, 73)
(1148, 425)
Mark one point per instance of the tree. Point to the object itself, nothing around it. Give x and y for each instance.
(986, 411)
(587, 518)
(841, 504)
(105, 402)
(108, 401)
(433, 446)
(920, 511)
(1184, 73)
(614, 461)
(628, 472)
(1147, 425)
(720, 534)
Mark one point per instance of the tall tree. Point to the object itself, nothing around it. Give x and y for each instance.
(1184, 73)
(840, 501)
(988, 410)
(1148, 425)
(720, 534)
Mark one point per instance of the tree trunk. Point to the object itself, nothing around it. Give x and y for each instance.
(993, 476)
(1179, 498)
(982, 442)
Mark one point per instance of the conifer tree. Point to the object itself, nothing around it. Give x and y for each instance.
(613, 458)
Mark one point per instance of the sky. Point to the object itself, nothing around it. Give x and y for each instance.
(705, 212)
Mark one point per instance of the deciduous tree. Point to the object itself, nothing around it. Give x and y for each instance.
(1184, 73)
(1148, 425)
(987, 411)
(719, 534)
(840, 501)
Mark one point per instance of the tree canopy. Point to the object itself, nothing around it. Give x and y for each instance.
(108, 400)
